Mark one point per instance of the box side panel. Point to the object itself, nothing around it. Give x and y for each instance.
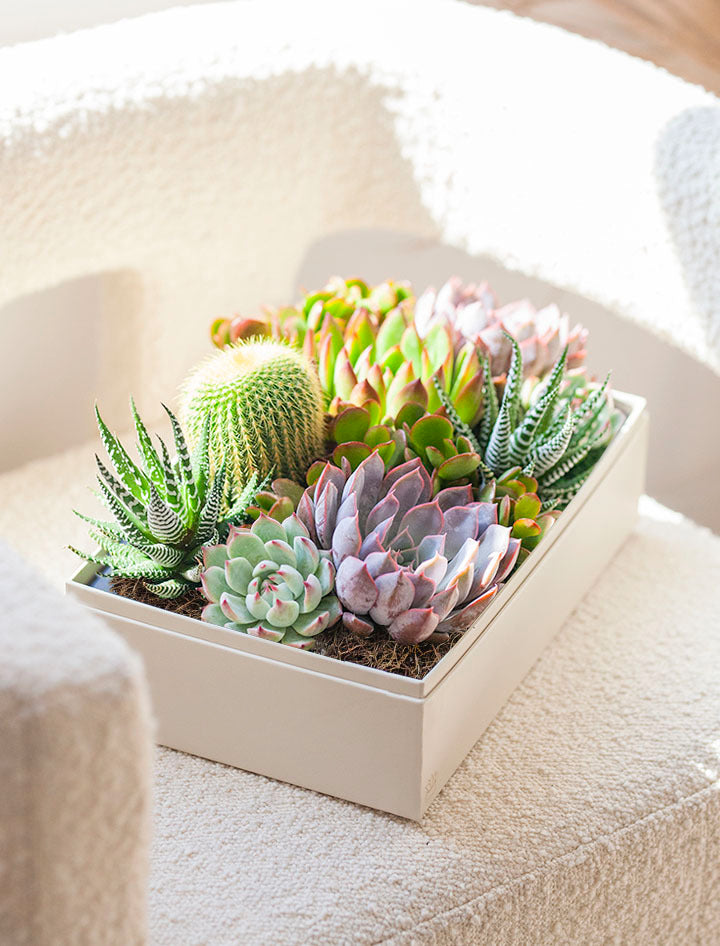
(333, 736)
(114, 604)
(460, 708)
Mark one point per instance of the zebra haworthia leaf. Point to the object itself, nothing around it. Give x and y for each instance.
(165, 518)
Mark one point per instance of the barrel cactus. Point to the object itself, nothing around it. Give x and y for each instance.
(410, 564)
(270, 581)
(265, 411)
(166, 511)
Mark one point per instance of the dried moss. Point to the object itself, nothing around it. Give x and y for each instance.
(189, 605)
(382, 652)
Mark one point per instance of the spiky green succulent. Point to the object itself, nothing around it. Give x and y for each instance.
(270, 581)
(166, 510)
(556, 438)
(265, 410)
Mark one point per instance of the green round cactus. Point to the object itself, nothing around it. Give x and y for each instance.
(265, 409)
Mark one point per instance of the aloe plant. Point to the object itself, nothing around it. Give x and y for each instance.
(166, 510)
(557, 438)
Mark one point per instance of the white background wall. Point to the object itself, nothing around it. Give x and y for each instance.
(23, 20)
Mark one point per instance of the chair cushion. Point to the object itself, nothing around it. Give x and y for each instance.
(588, 813)
(75, 764)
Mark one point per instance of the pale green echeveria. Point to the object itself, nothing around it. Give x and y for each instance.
(270, 581)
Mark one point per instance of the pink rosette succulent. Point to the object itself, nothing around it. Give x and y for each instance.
(412, 563)
(471, 312)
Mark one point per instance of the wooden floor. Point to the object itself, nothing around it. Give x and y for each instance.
(681, 35)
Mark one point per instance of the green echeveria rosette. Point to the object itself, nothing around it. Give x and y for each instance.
(270, 581)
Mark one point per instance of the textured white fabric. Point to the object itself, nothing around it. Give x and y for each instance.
(588, 813)
(207, 148)
(196, 156)
(75, 771)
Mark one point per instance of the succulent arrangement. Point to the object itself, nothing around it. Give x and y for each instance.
(420, 448)
(338, 300)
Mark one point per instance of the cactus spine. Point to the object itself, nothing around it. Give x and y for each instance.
(265, 409)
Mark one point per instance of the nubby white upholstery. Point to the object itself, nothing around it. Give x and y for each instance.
(75, 772)
(192, 158)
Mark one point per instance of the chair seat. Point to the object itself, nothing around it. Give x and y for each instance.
(588, 813)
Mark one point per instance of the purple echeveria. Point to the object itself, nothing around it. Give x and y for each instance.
(471, 313)
(406, 560)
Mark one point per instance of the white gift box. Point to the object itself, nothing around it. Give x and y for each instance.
(372, 737)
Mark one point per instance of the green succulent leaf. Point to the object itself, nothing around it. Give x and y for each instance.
(547, 453)
(354, 453)
(525, 529)
(133, 478)
(119, 490)
(134, 528)
(408, 414)
(183, 458)
(390, 334)
(430, 430)
(528, 506)
(459, 467)
(163, 522)
(172, 493)
(151, 460)
(490, 405)
(351, 425)
(170, 588)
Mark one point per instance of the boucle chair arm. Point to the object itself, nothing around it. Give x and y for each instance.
(203, 150)
(75, 771)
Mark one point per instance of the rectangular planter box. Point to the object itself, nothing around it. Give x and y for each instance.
(365, 735)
